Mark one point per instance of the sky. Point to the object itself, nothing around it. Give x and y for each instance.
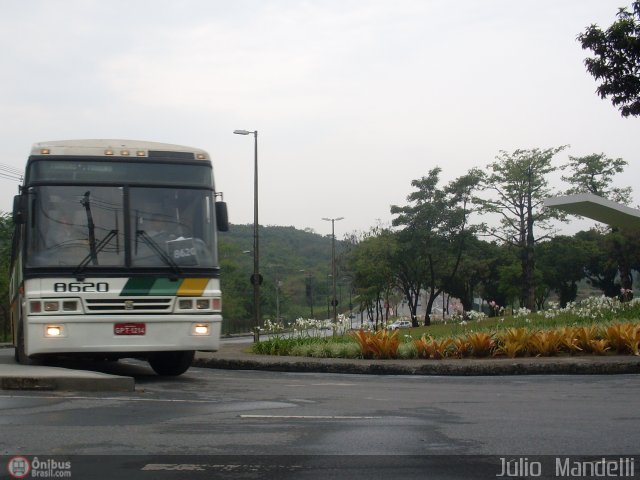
(352, 99)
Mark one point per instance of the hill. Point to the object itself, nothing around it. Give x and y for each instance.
(295, 265)
(286, 247)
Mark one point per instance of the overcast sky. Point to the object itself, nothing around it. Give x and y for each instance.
(352, 99)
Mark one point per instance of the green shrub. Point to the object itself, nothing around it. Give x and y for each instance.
(407, 351)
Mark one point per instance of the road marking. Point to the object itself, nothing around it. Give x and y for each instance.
(324, 384)
(332, 384)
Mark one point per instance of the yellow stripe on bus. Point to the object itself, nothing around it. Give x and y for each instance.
(192, 287)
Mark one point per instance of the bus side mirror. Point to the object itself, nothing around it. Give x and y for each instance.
(19, 207)
(222, 216)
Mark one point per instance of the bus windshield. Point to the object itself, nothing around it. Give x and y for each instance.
(84, 227)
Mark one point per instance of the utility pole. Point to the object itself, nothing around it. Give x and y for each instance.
(334, 301)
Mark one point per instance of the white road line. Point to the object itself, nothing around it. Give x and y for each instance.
(332, 384)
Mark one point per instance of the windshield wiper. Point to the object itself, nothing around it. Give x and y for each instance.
(158, 251)
(93, 254)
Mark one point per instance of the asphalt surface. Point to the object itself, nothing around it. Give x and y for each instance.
(233, 355)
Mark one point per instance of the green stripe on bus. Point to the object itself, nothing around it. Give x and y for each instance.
(142, 286)
(138, 286)
(164, 286)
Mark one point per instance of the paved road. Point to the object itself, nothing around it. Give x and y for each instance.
(219, 412)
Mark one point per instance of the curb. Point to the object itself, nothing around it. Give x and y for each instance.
(617, 365)
(50, 378)
(79, 384)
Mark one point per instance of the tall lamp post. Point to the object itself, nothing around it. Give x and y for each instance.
(333, 264)
(256, 278)
(309, 290)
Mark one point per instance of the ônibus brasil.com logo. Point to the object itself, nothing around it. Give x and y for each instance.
(21, 467)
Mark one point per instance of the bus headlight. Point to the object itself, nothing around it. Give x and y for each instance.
(51, 306)
(200, 329)
(202, 304)
(185, 304)
(53, 331)
(70, 305)
(55, 307)
(199, 304)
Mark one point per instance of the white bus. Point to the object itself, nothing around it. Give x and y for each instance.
(115, 253)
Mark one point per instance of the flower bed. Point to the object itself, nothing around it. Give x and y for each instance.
(597, 326)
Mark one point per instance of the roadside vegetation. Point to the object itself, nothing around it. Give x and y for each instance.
(464, 244)
(597, 325)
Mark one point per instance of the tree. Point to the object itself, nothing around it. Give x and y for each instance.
(473, 271)
(370, 263)
(519, 180)
(616, 63)
(410, 273)
(497, 257)
(509, 280)
(594, 174)
(562, 261)
(432, 240)
(237, 292)
(601, 269)
(6, 232)
(624, 248)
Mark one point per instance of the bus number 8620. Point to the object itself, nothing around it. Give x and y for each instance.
(76, 287)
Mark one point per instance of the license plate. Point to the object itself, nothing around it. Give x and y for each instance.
(130, 329)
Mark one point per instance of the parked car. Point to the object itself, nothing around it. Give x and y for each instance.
(399, 324)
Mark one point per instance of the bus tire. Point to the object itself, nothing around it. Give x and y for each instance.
(171, 364)
(20, 354)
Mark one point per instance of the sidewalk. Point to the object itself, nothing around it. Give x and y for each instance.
(236, 356)
(40, 377)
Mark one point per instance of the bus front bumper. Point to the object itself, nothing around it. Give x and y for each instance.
(121, 334)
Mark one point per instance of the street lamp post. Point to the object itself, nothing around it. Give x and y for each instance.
(310, 278)
(329, 302)
(349, 280)
(333, 264)
(309, 290)
(256, 278)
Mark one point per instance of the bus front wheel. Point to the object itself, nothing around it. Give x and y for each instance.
(20, 354)
(171, 363)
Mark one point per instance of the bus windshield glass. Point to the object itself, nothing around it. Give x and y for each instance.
(84, 227)
(68, 223)
(172, 227)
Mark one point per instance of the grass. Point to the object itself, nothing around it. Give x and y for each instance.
(592, 311)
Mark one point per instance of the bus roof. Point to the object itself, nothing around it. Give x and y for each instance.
(111, 147)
